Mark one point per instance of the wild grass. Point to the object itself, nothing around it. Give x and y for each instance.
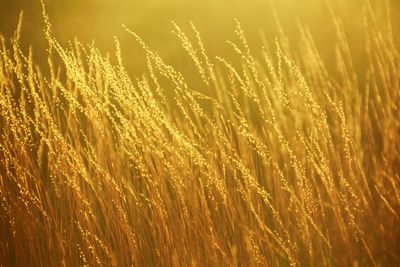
(271, 159)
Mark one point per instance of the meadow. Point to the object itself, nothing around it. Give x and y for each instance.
(277, 147)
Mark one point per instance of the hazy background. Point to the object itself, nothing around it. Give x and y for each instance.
(151, 19)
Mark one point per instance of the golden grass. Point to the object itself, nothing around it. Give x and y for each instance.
(276, 161)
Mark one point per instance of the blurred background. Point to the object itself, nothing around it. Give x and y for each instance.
(100, 20)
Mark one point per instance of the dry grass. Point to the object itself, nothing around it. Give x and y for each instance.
(276, 161)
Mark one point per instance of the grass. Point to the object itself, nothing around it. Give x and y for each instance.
(273, 158)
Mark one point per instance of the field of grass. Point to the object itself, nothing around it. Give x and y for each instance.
(285, 153)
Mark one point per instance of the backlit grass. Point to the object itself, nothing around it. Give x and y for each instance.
(271, 158)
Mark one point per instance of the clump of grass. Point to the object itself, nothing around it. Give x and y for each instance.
(275, 161)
